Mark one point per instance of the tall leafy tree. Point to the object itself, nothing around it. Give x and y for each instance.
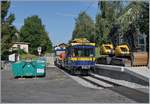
(7, 29)
(33, 32)
(106, 18)
(135, 19)
(122, 23)
(144, 21)
(84, 27)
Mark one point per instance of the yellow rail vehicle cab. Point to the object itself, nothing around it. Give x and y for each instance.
(80, 56)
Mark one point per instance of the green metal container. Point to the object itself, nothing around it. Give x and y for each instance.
(28, 68)
(40, 68)
(17, 69)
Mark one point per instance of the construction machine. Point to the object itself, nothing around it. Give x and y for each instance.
(136, 58)
(121, 56)
(106, 52)
(107, 49)
(122, 51)
(139, 58)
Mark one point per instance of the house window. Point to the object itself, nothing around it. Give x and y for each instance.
(141, 40)
(141, 43)
(121, 40)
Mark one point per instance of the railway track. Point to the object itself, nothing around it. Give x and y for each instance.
(99, 82)
(91, 81)
(105, 83)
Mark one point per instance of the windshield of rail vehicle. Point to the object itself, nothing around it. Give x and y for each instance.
(84, 52)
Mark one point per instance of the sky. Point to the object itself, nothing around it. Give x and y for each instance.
(57, 16)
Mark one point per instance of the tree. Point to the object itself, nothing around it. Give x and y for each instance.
(122, 23)
(108, 13)
(84, 27)
(102, 30)
(33, 32)
(8, 30)
(144, 21)
(135, 19)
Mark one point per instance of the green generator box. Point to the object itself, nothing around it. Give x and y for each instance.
(28, 69)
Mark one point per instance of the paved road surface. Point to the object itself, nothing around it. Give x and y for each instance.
(57, 87)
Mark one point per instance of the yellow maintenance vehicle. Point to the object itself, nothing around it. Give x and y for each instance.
(106, 52)
(107, 49)
(122, 51)
(121, 55)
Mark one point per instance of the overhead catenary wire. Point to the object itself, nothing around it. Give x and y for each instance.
(74, 15)
(89, 6)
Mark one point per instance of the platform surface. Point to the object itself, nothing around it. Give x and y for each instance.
(140, 72)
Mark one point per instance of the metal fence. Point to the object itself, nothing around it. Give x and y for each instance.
(50, 58)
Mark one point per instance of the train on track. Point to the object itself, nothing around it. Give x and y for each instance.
(78, 57)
